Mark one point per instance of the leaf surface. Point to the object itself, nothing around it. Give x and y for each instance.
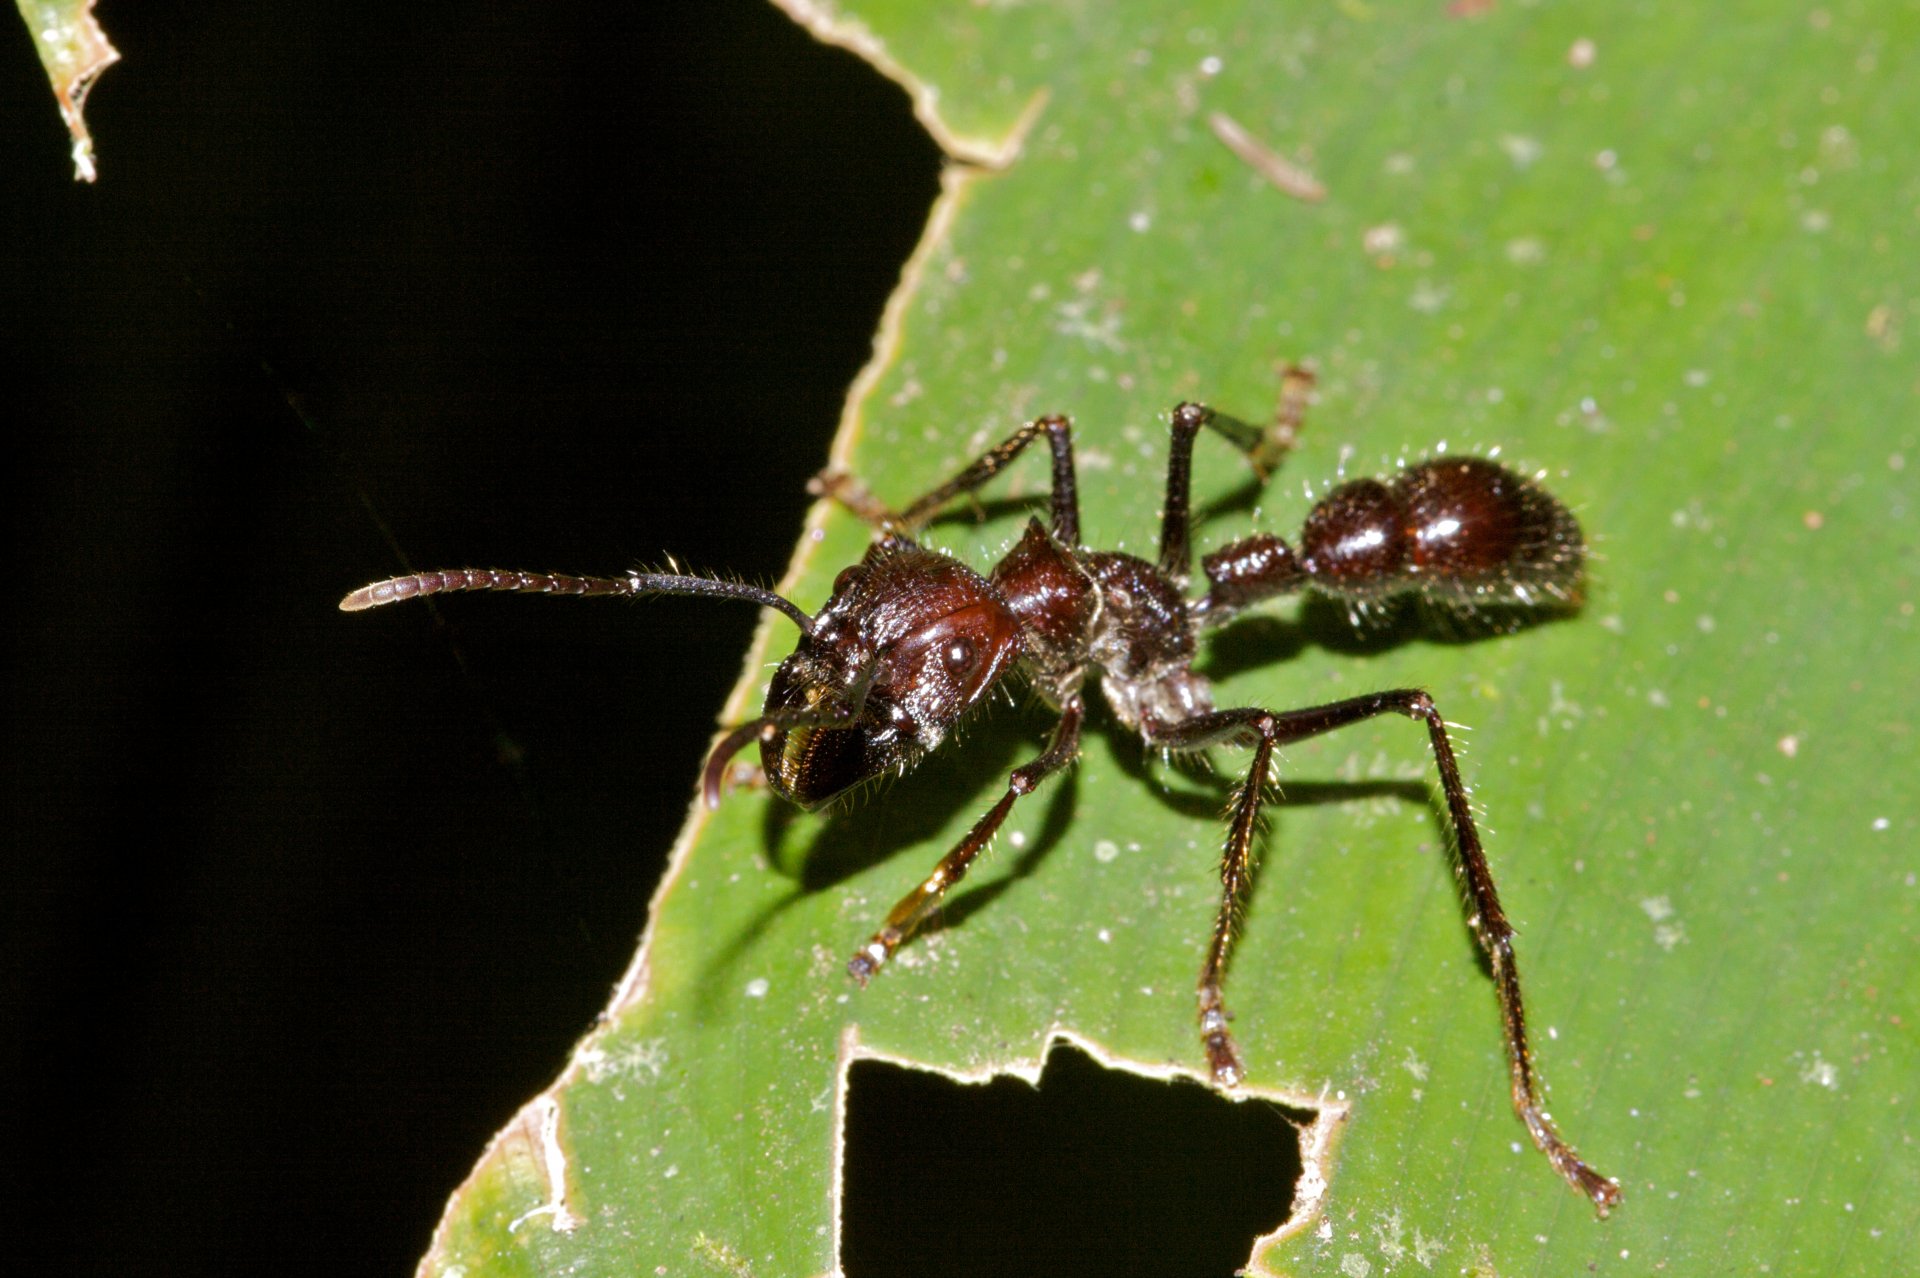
(1669, 257)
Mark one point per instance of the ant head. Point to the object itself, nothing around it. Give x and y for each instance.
(910, 640)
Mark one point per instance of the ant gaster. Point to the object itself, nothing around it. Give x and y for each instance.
(911, 639)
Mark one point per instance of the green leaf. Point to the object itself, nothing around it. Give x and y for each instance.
(1667, 255)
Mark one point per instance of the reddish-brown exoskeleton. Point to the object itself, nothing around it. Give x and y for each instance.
(911, 639)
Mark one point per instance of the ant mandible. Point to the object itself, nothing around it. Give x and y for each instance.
(911, 639)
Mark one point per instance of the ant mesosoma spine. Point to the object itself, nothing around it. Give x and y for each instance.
(911, 639)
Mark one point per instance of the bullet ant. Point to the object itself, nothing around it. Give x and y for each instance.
(911, 639)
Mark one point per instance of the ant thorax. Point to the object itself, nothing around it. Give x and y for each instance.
(1145, 645)
(1109, 610)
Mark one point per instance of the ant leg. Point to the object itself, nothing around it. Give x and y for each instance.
(1066, 501)
(1289, 418)
(1066, 488)
(1223, 727)
(918, 905)
(1267, 446)
(854, 497)
(852, 494)
(1487, 920)
(1263, 448)
(1176, 554)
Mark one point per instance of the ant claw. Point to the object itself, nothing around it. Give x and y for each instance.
(1222, 1056)
(865, 963)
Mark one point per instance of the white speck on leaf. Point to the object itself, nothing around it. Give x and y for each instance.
(1822, 1072)
(1668, 931)
(1387, 1231)
(1521, 149)
(1427, 297)
(1526, 251)
(1385, 238)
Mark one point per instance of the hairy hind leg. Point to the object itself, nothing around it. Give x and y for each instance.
(1267, 729)
(1263, 448)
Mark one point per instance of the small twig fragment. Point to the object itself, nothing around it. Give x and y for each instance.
(1289, 178)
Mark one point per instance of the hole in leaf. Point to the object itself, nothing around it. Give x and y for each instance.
(1096, 1171)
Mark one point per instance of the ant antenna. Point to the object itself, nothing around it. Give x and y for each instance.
(634, 585)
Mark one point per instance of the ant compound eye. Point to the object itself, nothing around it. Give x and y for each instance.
(849, 578)
(957, 654)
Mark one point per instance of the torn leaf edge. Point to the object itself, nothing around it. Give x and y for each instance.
(87, 52)
(634, 984)
(829, 26)
(539, 1121)
(1317, 1138)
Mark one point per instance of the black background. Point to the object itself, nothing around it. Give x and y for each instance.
(299, 907)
